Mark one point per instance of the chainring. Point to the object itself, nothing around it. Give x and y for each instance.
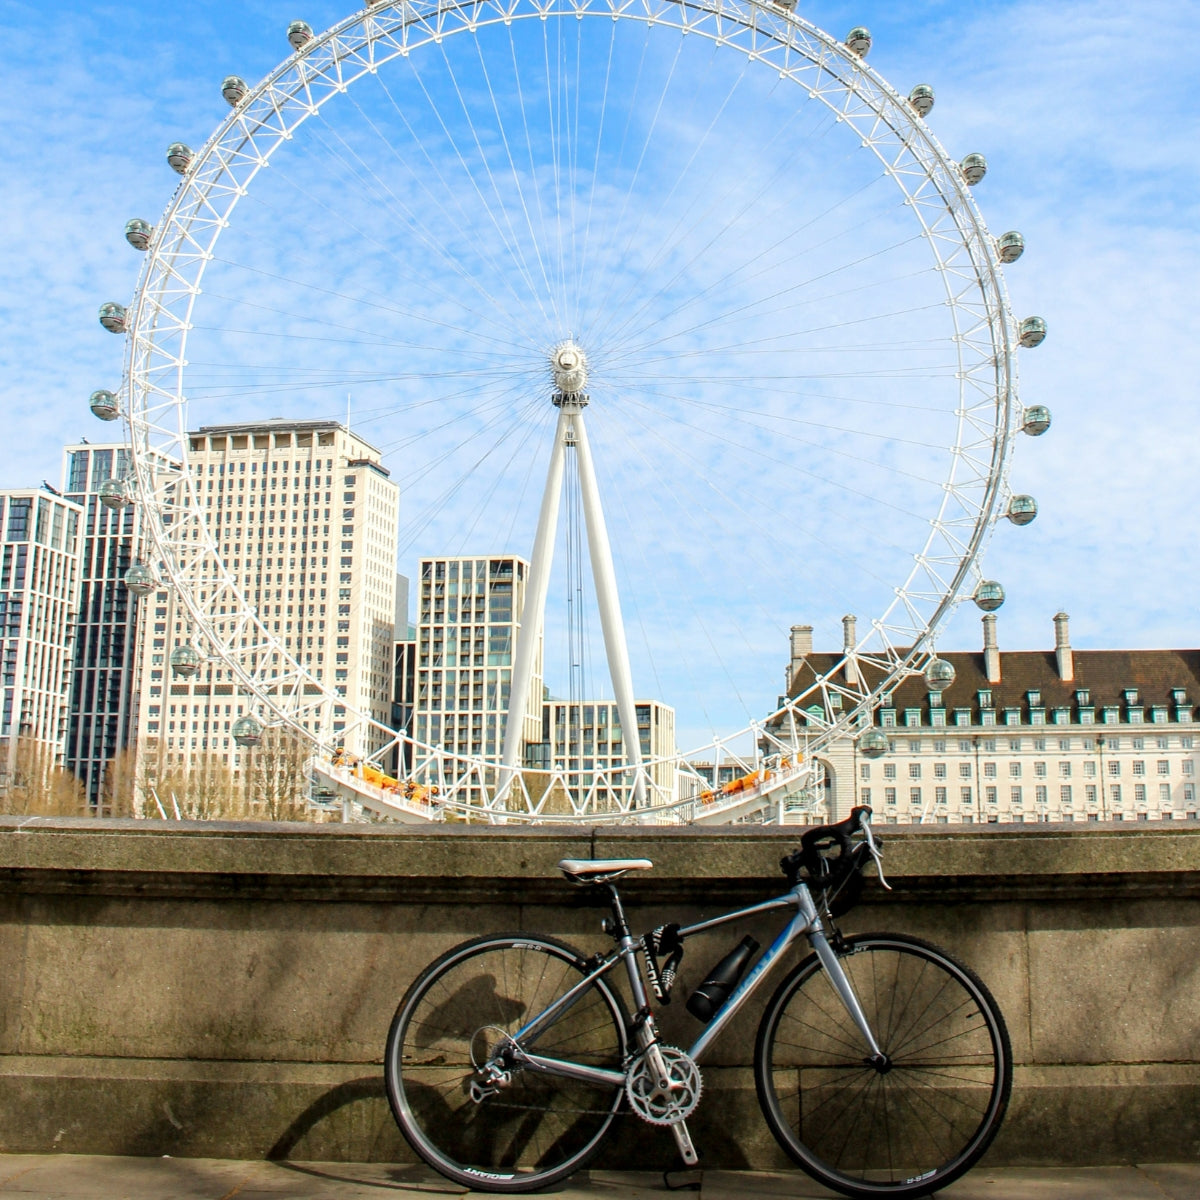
(650, 1103)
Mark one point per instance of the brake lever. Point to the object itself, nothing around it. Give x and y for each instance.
(876, 854)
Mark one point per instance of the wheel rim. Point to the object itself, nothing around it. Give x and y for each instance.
(924, 1113)
(538, 1126)
(980, 331)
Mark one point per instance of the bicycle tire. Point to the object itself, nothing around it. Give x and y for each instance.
(926, 1119)
(539, 1129)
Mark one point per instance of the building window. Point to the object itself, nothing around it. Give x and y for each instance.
(1163, 766)
(964, 770)
(1014, 796)
(1089, 793)
(1039, 769)
(1064, 793)
(889, 770)
(1114, 767)
(914, 797)
(1139, 793)
(965, 795)
(991, 795)
(989, 770)
(1064, 770)
(864, 771)
(1040, 796)
(1164, 793)
(940, 795)
(939, 770)
(865, 795)
(1014, 770)
(1139, 766)
(914, 770)
(889, 795)
(1114, 794)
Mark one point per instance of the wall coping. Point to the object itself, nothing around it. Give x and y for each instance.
(395, 863)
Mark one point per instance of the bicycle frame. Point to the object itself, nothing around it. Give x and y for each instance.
(805, 922)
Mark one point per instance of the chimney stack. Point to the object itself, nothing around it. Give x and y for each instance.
(991, 652)
(1062, 647)
(801, 648)
(849, 641)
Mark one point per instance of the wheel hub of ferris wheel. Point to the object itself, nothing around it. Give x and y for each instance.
(837, 702)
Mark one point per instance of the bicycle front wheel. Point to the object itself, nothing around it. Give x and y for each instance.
(912, 1123)
(539, 1128)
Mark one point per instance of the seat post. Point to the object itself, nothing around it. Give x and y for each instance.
(620, 927)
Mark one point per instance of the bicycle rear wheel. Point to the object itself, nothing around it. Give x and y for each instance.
(540, 1128)
(922, 1120)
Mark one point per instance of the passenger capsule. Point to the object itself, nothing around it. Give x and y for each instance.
(1032, 332)
(185, 660)
(247, 732)
(115, 493)
(112, 317)
(234, 90)
(299, 34)
(179, 157)
(939, 675)
(989, 595)
(1036, 420)
(138, 233)
(974, 168)
(873, 744)
(921, 98)
(1022, 510)
(858, 40)
(789, 5)
(1010, 246)
(103, 404)
(140, 580)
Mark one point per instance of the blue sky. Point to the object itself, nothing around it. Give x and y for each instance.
(1089, 127)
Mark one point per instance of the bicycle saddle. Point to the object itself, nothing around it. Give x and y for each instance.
(600, 870)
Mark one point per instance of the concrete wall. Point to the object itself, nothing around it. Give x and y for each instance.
(219, 989)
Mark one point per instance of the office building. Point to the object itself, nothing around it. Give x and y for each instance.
(101, 705)
(467, 621)
(39, 594)
(305, 516)
(584, 741)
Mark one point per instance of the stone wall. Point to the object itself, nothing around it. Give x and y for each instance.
(220, 989)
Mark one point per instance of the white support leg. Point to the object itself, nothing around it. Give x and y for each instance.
(609, 604)
(533, 613)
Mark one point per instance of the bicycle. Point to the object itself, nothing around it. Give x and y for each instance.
(882, 1065)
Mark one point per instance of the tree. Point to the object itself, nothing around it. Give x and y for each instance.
(36, 785)
(276, 778)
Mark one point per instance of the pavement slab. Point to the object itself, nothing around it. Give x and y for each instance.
(94, 1177)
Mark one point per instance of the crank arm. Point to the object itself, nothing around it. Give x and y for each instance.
(683, 1140)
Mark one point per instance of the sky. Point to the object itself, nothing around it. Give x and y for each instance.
(739, 501)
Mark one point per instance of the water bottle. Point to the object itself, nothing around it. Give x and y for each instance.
(721, 980)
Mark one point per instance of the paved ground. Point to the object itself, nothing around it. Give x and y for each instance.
(80, 1177)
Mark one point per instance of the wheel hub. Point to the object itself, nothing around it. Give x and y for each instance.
(568, 364)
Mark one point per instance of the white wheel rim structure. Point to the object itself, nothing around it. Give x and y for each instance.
(975, 492)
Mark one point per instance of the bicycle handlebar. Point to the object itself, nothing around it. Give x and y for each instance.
(816, 842)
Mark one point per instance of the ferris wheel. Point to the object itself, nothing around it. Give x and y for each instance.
(698, 267)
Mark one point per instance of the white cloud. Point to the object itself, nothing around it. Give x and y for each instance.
(1090, 142)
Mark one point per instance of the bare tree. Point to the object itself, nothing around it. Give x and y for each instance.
(37, 786)
(118, 790)
(275, 775)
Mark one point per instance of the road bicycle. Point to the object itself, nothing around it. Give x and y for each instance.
(882, 1065)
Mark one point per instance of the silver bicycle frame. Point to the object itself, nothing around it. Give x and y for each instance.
(806, 921)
